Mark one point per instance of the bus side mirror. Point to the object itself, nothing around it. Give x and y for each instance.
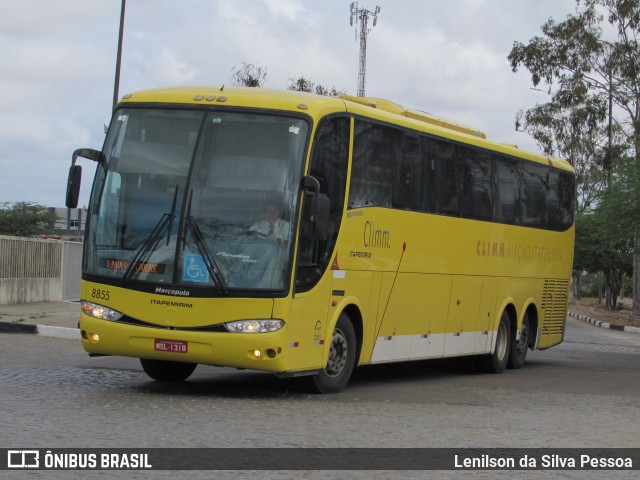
(316, 208)
(75, 173)
(89, 154)
(73, 186)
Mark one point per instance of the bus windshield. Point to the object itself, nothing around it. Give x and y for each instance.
(197, 199)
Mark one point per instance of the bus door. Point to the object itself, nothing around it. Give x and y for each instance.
(313, 286)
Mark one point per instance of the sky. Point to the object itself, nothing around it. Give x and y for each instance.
(58, 63)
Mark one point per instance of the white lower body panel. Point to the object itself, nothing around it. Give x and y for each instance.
(417, 347)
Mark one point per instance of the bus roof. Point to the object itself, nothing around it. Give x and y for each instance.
(238, 97)
(320, 105)
(419, 115)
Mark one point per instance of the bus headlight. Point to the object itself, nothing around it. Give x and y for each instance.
(254, 326)
(98, 311)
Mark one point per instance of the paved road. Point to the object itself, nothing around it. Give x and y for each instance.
(581, 394)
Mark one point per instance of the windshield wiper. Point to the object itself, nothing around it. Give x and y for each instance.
(212, 266)
(151, 242)
(173, 215)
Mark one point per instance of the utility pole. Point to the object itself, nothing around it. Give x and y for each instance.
(116, 85)
(362, 15)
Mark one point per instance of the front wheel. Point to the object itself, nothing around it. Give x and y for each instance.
(166, 371)
(342, 359)
(496, 362)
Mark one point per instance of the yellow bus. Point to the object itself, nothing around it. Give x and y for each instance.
(306, 235)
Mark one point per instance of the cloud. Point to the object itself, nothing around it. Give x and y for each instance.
(162, 67)
(290, 9)
(35, 20)
(59, 59)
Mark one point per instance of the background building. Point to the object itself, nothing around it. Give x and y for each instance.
(70, 224)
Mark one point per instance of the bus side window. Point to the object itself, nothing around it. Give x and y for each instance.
(477, 195)
(507, 191)
(553, 201)
(408, 182)
(374, 156)
(567, 198)
(445, 178)
(533, 193)
(560, 200)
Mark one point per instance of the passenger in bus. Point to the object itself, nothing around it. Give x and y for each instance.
(273, 226)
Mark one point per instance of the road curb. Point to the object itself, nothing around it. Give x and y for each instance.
(600, 324)
(44, 330)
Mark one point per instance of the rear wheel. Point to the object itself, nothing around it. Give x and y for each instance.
(496, 362)
(520, 347)
(341, 362)
(166, 371)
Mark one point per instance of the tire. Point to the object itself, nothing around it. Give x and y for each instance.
(497, 361)
(342, 359)
(519, 348)
(166, 371)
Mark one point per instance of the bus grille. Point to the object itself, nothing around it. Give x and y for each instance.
(554, 305)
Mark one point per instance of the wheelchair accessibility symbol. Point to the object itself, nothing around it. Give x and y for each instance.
(194, 269)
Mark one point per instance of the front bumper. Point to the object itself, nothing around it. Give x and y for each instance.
(258, 351)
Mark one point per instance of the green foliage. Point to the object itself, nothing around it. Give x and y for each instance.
(623, 197)
(584, 68)
(566, 55)
(302, 84)
(25, 219)
(592, 285)
(605, 241)
(249, 75)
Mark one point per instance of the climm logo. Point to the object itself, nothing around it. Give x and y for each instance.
(522, 252)
(374, 237)
(490, 249)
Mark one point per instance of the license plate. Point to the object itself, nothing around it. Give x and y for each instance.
(172, 346)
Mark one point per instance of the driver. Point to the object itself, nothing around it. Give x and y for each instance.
(273, 227)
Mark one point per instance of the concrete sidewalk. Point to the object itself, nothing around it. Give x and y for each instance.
(52, 319)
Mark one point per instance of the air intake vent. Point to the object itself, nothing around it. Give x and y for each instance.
(554, 306)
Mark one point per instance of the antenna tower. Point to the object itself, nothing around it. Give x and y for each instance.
(362, 15)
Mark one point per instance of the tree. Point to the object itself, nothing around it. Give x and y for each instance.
(25, 219)
(604, 243)
(577, 134)
(580, 67)
(300, 84)
(303, 84)
(249, 75)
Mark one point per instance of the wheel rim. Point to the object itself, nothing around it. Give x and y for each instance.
(501, 346)
(338, 354)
